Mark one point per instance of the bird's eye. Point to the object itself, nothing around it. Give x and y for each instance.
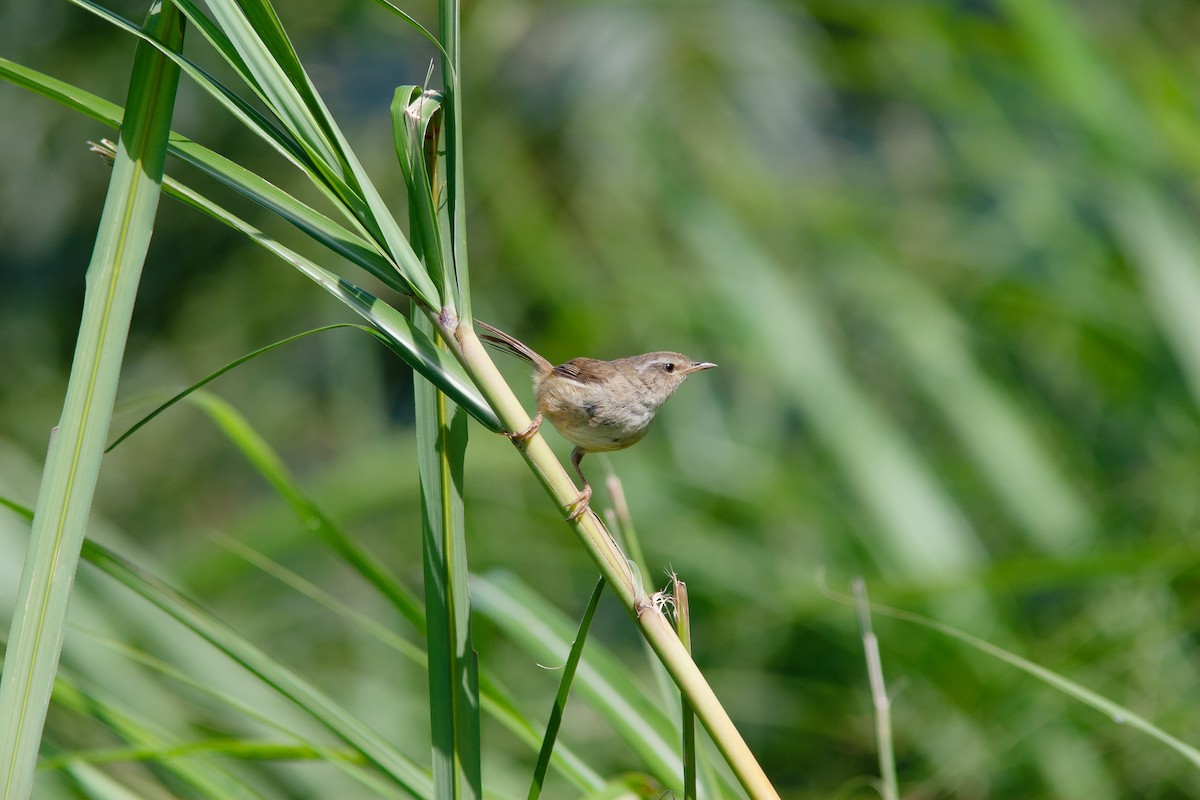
(669, 367)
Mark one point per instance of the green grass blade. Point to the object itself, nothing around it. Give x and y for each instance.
(17, 508)
(62, 92)
(360, 251)
(354, 247)
(73, 464)
(214, 375)
(146, 742)
(348, 760)
(264, 52)
(1116, 712)
(453, 671)
(304, 695)
(260, 40)
(404, 15)
(605, 683)
(369, 214)
(454, 214)
(564, 692)
(495, 700)
(246, 113)
(264, 459)
(410, 344)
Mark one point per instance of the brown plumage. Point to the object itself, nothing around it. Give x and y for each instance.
(598, 406)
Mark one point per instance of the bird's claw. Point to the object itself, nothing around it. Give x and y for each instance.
(521, 438)
(579, 506)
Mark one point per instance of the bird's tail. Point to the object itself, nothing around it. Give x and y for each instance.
(510, 344)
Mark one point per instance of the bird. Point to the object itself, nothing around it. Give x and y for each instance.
(599, 406)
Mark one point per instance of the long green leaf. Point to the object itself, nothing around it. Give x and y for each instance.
(212, 376)
(362, 213)
(453, 669)
(410, 344)
(564, 693)
(260, 40)
(73, 463)
(1117, 713)
(494, 699)
(454, 212)
(346, 759)
(542, 630)
(353, 246)
(241, 109)
(271, 467)
(307, 697)
(147, 742)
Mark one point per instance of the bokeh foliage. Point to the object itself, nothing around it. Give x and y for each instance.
(945, 254)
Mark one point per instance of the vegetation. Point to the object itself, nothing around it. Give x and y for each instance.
(946, 257)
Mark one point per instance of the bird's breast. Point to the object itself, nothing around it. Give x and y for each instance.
(592, 416)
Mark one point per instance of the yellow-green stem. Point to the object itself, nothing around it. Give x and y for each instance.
(615, 568)
(612, 562)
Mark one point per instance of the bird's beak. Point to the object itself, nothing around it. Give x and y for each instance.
(696, 366)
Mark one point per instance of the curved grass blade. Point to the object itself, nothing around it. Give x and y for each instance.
(261, 46)
(251, 117)
(566, 762)
(404, 15)
(1114, 711)
(360, 251)
(73, 463)
(304, 695)
(410, 344)
(235, 363)
(259, 38)
(354, 247)
(543, 631)
(62, 92)
(17, 508)
(564, 692)
(415, 121)
(349, 761)
(493, 699)
(367, 212)
(271, 467)
(146, 742)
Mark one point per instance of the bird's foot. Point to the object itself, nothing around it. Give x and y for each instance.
(579, 506)
(521, 438)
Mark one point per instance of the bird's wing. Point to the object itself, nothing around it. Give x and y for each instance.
(584, 370)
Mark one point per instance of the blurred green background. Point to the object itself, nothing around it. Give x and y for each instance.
(946, 255)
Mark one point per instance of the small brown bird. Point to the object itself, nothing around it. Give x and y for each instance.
(598, 406)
